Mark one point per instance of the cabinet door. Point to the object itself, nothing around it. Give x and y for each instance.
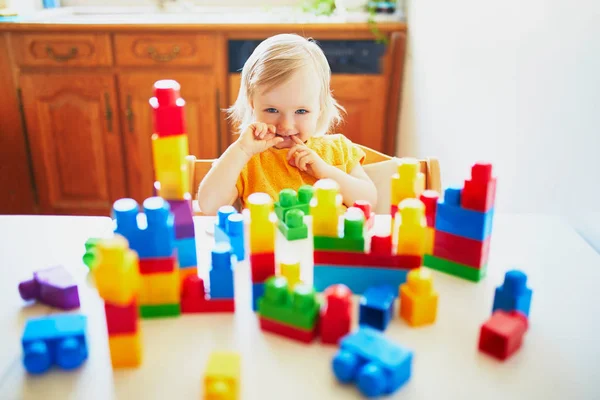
(75, 141)
(199, 90)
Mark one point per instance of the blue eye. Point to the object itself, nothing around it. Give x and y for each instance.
(302, 111)
(271, 110)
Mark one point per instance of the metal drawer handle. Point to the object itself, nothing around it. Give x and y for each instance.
(108, 113)
(129, 113)
(60, 57)
(163, 57)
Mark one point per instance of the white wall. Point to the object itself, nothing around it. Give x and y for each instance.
(513, 82)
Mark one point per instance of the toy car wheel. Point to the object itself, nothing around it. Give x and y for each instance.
(371, 380)
(345, 365)
(70, 354)
(36, 358)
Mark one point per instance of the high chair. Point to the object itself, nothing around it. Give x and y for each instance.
(380, 168)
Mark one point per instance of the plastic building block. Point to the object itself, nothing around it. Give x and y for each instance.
(502, 335)
(170, 165)
(159, 288)
(325, 208)
(116, 271)
(168, 117)
(452, 218)
(479, 193)
(289, 331)
(376, 307)
(357, 278)
(160, 310)
(290, 200)
(411, 227)
(229, 228)
(222, 376)
(158, 265)
(122, 319)
(335, 318)
(53, 286)
(258, 291)
(291, 271)
(262, 223)
(381, 244)
(150, 234)
(418, 299)
(299, 309)
(194, 298)
(353, 238)
(89, 255)
(125, 350)
(185, 272)
(430, 199)
(262, 266)
(376, 365)
(186, 252)
(456, 269)
(221, 273)
(513, 295)
(367, 210)
(462, 250)
(183, 217)
(408, 182)
(348, 259)
(293, 228)
(54, 340)
(429, 240)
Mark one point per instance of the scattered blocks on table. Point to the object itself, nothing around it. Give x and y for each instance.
(456, 269)
(479, 193)
(325, 208)
(376, 307)
(502, 335)
(411, 227)
(418, 299)
(293, 227)
(54, 340)
(195, 298)
(221, 272)
(513, 294)
(376, 365)
(335, 316)
(291, 271)
(222, 376)
(52, 286)
(125, 350)
(229, 228)
(290, 200)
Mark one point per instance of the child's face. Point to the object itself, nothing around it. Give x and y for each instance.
(293, 107)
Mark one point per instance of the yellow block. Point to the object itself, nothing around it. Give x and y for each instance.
(325, 208)
(173, 185)
(408, 182)
(116, 273)
(418, 299)
(291, 270)
(125, 350)
(169, 152)
(429, 240)
(222, 376)
(160, 288)
(411, 227)
(260, 206)
(262, 235)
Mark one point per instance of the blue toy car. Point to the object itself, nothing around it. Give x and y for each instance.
(376, 365)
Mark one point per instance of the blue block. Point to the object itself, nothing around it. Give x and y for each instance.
(376, 307)
(377, 366)
(358, 279)
(57, 339)
(221, 273)
(513, 295)
(186, 252)
(229, 228)
(258, 290)
(151, 233)
(452, 218)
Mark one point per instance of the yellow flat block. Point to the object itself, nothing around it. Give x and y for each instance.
(169, 152)
(160, 288)
(418, 299)
(222, 376)
(125, 350)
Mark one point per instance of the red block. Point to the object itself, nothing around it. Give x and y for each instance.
(473, 253)
(194, 300)
(502, 335)
(381, 244)
(122, 319)
(479, 192)
(365, 206)
(349, 259)
(157, 265)
(288, 331)
(262, 266)
(335, 318)
(430, 199)
(168, 118)
(393, 210)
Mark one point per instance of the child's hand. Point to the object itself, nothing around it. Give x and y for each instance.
(305, 159)
(257, 138)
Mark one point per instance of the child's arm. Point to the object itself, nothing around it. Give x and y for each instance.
(218, 186)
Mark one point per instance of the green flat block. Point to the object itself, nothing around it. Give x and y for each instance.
(453, 268)
(299, 308)
(289, 200)
(339, 244)
(295, 233)
(159, 311)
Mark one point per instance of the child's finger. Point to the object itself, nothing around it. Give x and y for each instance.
(302, 161)
(292, 150)
(297, 140)
(274, 140)
(272, 128)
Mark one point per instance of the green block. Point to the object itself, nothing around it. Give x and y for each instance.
(89, 258)
(339, 244)
(453, 268)
(159, 311)
(290, 200)
(294, 227)
(299, 308)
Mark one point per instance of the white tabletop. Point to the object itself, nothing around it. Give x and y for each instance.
(560, 358)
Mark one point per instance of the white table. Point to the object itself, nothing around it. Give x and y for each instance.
(560, 358)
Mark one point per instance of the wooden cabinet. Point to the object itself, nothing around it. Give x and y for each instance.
(75, 141)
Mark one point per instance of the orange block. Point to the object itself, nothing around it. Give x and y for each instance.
(125, 350)
(418, 299)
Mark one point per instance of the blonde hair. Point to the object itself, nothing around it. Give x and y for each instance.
(272, 63)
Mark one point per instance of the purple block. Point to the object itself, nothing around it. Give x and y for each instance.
(53, 286)
(183, 215)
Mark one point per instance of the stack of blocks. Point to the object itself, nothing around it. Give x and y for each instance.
(343, 257)
(117, 278)
(170, 148)
(407, 183)
(262, 243)
(229, 228)
(291, 209)
(463, 225)
(152, 235)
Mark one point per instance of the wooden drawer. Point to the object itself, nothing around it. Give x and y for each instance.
(165, 49)
(73, 49)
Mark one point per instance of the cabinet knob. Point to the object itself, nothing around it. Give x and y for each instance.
(61, 57)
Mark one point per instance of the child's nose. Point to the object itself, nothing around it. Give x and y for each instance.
(286, 127)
